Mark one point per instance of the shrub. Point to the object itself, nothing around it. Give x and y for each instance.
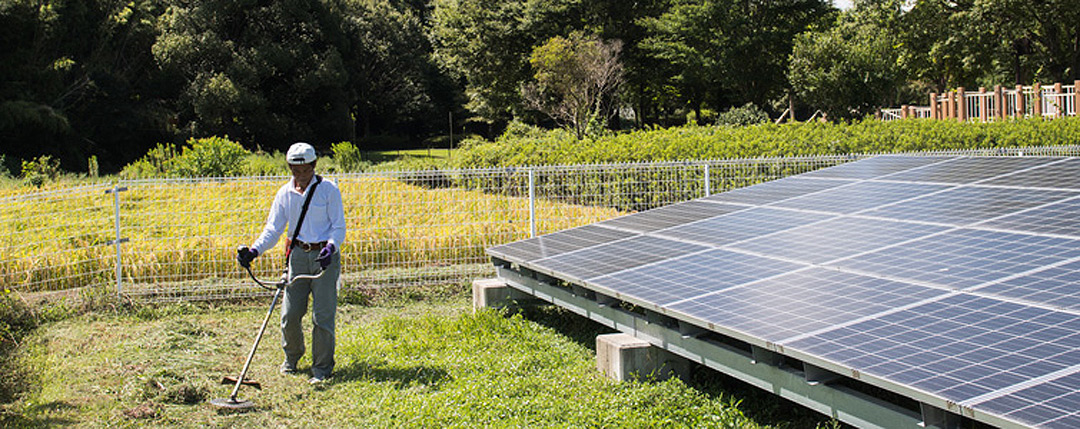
(739, 116)
(347, 157)
(209, 157)
(264, 164)
(40, 170)
(765, 140)
(92, 168)
(154, 164)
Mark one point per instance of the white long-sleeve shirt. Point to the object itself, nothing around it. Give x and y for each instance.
(325, 219)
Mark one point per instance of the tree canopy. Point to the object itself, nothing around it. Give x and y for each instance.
(115, 78)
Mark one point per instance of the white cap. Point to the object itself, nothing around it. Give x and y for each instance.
(300, 153)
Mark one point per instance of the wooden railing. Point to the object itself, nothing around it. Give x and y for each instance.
(1050, 101)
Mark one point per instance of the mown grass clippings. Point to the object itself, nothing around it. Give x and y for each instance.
(429, 363)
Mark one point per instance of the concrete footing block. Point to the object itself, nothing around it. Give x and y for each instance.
(624, 357)
(495, 293)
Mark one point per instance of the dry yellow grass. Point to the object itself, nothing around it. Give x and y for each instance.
(185, 230)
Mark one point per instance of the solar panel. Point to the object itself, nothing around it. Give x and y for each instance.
(875, 167)
(1057, 218)
(970, 204)
(961, 347)
(740, 226)
(669, 216)
(558, 243)
(1053, 404)
(859, 196)
(1056, 286)
(800, 303)
(836, 238)
(1058, 175)
(964, 258)
(615, 256)
(693, 275)
(968, 170)
(957, 277)
(775, 191)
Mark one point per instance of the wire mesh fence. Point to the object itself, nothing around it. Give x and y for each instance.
(57, 240)
(175, 239)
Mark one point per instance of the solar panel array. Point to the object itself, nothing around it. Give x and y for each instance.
(958, 277)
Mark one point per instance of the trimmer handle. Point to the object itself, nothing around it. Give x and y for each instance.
(283, 281)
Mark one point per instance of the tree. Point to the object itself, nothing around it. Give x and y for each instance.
(850, 70)
(644, 87)
(78, 79)
(730, 52)
(393, 82)
(260, 72)
(486, 44)
(576, 77)
(988, 42)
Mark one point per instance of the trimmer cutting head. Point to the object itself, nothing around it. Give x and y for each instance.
(232, 403)
(228, 379)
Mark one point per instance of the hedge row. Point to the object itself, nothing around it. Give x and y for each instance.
(522, 146)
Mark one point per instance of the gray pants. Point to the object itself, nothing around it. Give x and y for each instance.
(323, 291)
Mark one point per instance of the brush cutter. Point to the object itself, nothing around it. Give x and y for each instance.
(278, 286)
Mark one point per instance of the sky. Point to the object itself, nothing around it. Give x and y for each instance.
(842, 4)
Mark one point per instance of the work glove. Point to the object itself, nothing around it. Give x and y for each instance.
(325, 254)
(245, 255)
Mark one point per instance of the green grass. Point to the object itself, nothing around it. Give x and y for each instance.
(402, 362)
(394, 155)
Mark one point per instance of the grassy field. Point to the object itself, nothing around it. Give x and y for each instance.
(402, 362)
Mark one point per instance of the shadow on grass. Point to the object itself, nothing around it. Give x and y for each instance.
(400, 378)
(760, 406)
(578, 329)
(21, 420)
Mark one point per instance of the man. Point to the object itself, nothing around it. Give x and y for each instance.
(321, 234)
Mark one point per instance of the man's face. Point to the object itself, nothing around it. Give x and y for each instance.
(302, 172)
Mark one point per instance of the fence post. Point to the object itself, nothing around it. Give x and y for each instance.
(1036, 103)
(532, 202)
(984, 106)
(961, 100)
(1076, 98)
(950, 105)
(999, 103)
(116, 190)
(934, 111)
(1021, 101)
(1057, 104)
(707, 190)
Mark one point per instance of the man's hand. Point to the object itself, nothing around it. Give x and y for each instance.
(324, 255)
(245, 255)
